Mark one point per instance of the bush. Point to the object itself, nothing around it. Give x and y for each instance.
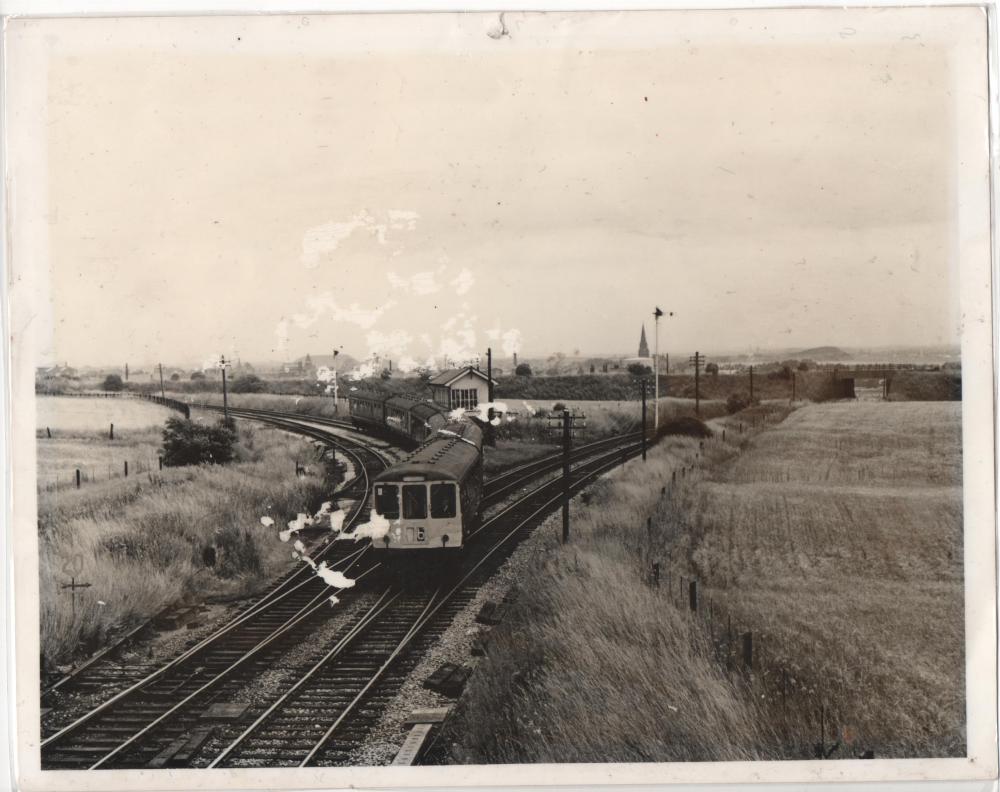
(639, 370)
(712, 368)
(248, 383)
(687, 426)
(523, 370)
(188, 443)
(737, 402)
(112, 382)
(197, 375)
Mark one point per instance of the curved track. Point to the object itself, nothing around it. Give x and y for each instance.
(325, 714)
(283, 616)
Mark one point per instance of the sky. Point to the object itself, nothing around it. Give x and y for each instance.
(265, 189)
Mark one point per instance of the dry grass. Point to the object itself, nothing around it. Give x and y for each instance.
(139, 541)
(510, 453)
(78, 417)
(838, 539)
(835, 536)
(596, 665)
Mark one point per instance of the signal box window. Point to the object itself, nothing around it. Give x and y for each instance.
(442, 500)
(387, 501)
(466, 398)
(414, 502)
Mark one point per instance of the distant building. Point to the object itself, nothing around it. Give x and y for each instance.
(643, 346)
(466, 387)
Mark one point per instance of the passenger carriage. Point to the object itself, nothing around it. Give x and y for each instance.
(431, 499)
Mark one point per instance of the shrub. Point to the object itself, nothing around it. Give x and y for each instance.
(712, 368)
(687, 426)
(639, 370)
(737, 402)
(523, 370)
(175, 377)
(112, 382)
(188, 443)
(248, 383)
(197, 375)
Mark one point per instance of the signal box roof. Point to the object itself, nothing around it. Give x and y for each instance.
(449, 376)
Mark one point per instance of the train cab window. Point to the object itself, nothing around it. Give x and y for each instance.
(414, 501)
(442, 500)
(387, 500)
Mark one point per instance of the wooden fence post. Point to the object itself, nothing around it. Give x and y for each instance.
(656, 575)
(78, 478)
(111, 434)
(126, 468)
(748, 650)
(693, 596)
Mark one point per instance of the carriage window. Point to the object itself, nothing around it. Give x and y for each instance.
(442, 500)
(414, 502)
(387, 500)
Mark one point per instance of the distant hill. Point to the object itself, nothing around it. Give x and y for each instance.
(823, 353)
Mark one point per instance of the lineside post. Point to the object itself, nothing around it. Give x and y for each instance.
(643, 386)
(566, 445)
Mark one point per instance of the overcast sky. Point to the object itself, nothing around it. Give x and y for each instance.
(253, 187)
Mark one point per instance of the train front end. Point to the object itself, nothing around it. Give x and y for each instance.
(431, 499)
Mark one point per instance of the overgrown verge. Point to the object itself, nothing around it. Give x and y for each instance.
(825, 556)
(144, 542)
(595, 663)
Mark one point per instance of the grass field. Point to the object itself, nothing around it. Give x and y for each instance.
(835, 536)
(79, 416)
(838, 539)
(139, 541)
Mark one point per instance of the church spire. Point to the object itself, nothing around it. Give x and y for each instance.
(643, 347)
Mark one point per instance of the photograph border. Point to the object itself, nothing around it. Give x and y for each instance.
(25, 287)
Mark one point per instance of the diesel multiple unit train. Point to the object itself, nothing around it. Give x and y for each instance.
(431, 499)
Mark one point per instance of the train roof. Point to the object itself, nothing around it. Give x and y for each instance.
(447, 455)
(422, 409)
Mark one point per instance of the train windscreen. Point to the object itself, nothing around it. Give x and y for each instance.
(443, 500)
(387, 501)
(414, 501)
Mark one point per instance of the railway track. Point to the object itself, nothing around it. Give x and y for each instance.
(324, 715)
(281, 617)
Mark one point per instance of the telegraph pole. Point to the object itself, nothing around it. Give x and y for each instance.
(126, 372)
(225, 397)
(566, 444)
(490, 433)
(162, 394)
(643, 386)
(489, 376)
(657, 313)
(333, 365)
(698, 359)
